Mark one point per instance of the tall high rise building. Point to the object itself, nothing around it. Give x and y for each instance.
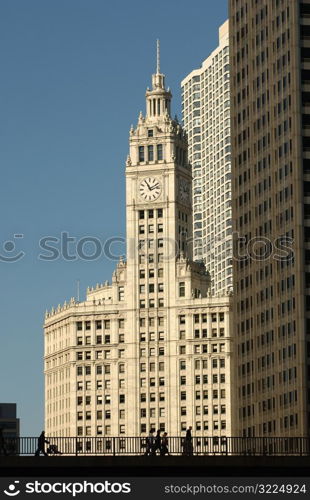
(153, 348)
(270, 83)
(206, 118)
(9, 423)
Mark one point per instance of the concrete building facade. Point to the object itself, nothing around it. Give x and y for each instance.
(270, 85)
(206, 119)
(151, 349)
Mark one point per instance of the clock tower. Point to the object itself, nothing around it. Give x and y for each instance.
(158, 196)
(152, 348)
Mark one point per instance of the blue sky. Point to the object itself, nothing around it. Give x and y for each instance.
(73, 79)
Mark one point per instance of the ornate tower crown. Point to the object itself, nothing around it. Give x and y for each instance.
(158, 99)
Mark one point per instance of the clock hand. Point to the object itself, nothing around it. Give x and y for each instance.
(148, 185)
(154, 187)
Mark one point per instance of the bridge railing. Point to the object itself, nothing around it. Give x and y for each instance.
(198, 446)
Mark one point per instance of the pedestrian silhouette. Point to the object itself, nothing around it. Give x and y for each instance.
(41, 445)
(3, 450)
(188, 443)
(149, 442)
(157, 443)
(164, 445)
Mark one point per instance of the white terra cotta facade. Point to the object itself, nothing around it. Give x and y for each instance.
(153, 348)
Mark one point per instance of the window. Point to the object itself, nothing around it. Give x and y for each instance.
(150, 153)
(182, 289)
(87, 370)
(79, 341)
(121, 293)
(98, 324)
(141, 153)
(122, 398)
(150, 132)
(107, 324)
(159, 212)
(159, 152)
(79, 325)
(87, 325)
(79, 370)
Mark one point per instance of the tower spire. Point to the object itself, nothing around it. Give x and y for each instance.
(158, 57)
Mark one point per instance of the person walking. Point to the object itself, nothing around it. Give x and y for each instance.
(157, 443)
(41, 445)
(188, 443)
(149, 443)
(164, 445)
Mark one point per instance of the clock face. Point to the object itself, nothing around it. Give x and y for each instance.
(184, 191)
(150, 189)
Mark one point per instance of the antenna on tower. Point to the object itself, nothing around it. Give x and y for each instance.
(78, 290)
(158, 58)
